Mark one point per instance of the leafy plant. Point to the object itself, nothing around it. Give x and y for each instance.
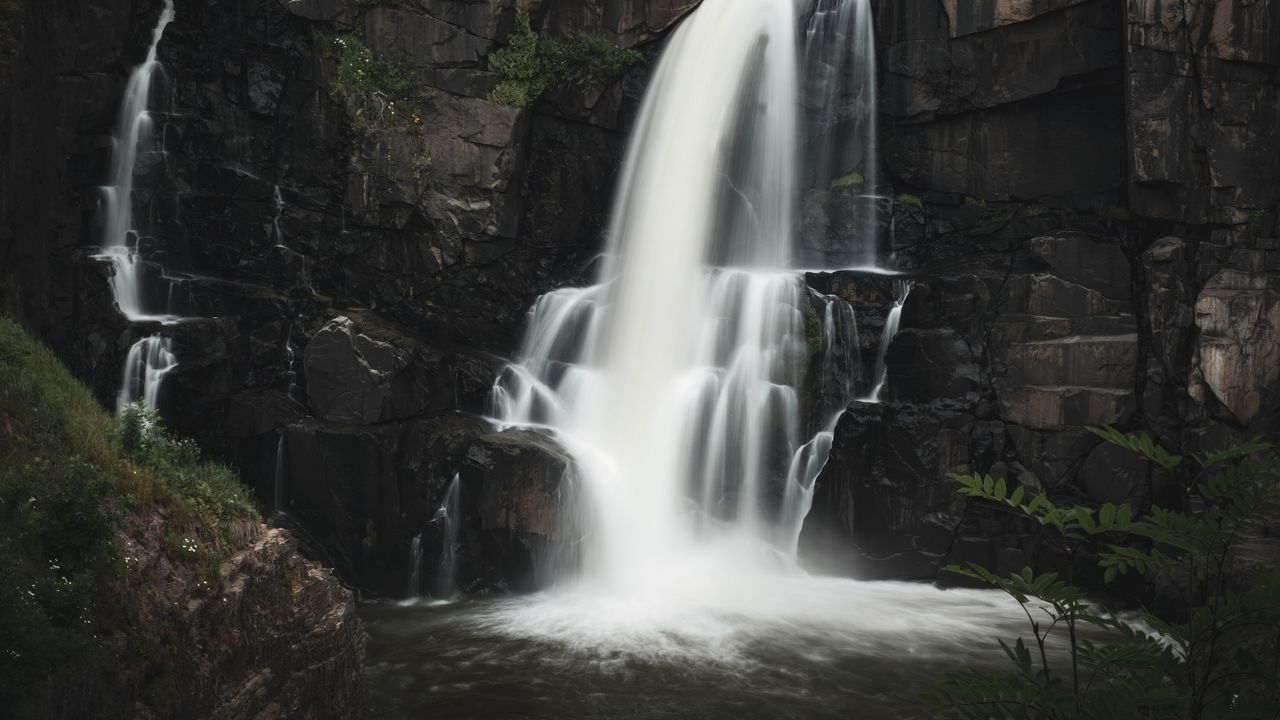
(378, 91)
(529, 66)
(1218, 658)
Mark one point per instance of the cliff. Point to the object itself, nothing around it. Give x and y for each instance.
(138, 581)
(1084, 193)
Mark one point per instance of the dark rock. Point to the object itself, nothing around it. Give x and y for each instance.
(882, 507)
(525, 482)
(1238, 353)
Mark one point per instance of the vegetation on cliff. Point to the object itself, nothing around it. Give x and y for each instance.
(1214, 653)
(377, 91)
(529, 65)
(75, 487)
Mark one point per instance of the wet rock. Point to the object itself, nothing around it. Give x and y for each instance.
(525, 482)
(882, 507)
(1238, 352)
(367, 374)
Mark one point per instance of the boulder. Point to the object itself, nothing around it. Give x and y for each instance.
(355, 378)
(525, 481)
(1238, 351)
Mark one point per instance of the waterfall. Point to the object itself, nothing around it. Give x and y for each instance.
(145, 367)
(278, 493)
(151, 358)
(679, 381)
(838, 67)
(891, 323)
(414, 586)
(449, 522)
(133, 132)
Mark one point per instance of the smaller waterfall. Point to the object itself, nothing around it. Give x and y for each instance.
(149, 361)
(151, 358)
(891, 324)
(133, 133)
(415, 567)
(448, 520)
(278, 494)
(276, 235)
(840, 97)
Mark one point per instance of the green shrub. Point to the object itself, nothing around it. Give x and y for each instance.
(1218, 658)
(530, 66)
(379, 92)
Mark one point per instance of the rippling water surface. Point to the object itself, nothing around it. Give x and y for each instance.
(798, 647)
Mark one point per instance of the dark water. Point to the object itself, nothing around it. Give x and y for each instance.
(542, 657)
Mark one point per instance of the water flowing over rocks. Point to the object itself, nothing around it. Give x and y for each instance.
(1083, 194)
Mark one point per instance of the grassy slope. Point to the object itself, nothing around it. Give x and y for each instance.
(74, 486)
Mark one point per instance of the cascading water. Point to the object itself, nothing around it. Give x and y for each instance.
(838, 70)
(696, 386)
(148, 361)
(133, 134)
(151, 358)
(413, 587)
(891, 324)
(676, 380)
(447, 520)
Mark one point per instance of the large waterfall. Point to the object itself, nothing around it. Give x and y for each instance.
(151, 358)
(682, 382)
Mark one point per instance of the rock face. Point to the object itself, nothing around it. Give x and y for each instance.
(1238, 318)
(1001, 364)
(278, 637)
(1013, 122)
(1084, 193)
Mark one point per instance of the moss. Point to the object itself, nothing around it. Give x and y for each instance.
(913, 200)
(72, 481)
(814, 333)
(529, 65)
(970, 201)
(852, 180)
(377, 91)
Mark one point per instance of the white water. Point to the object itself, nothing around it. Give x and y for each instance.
(148, 362)
(891, 323)
(838, 62)
(133, 133)
(151, 358)
(447, 519)
(414, 586)
(678, 381)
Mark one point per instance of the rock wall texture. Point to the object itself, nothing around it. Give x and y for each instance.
(276, 637)
(348, 277)
(1088, 191)
(1085, 193)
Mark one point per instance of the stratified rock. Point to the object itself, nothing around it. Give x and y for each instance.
(1085, 260)
(1238, 316)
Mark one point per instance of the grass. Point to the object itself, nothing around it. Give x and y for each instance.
(73, 484)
